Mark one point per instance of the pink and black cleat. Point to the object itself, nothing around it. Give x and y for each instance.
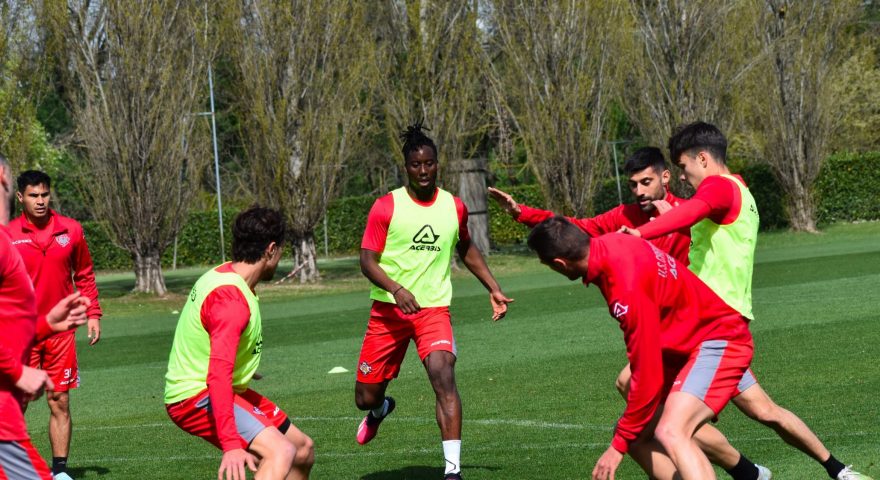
(369, 427)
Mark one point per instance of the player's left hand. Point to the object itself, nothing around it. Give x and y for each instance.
(607, 464)
(94, 330)
(499, 304)
(69, 313)
(630, 231)
(662, 206)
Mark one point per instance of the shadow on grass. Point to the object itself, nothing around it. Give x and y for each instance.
(79, 472)
(419, 472)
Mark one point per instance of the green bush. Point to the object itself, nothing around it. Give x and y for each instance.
(766, 190)
(346, 220)
(503, 230)
(197, 244)
(847, 189)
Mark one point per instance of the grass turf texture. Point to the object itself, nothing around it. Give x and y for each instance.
(537, 387)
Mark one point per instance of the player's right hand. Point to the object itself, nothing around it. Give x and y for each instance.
(33, 382)
(69, 313)
(506, 202)
(406, 301)
(607, 464)
(233, 464)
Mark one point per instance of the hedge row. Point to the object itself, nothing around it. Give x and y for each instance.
(845, 191)
(197, 244)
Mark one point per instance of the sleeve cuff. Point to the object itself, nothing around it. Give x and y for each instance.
(619, 444)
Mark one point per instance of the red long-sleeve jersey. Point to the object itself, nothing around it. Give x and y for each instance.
(225, 314)
(716, 198)
(675, 243)
(56, 262)
(665, 313)
(18, 318)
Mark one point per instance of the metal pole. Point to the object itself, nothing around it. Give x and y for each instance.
(216, 157)
(617, 174)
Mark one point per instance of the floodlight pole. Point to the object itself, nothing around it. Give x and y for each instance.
(617, 171)
(214, 139)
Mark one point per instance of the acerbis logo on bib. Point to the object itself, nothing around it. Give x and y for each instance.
(427, 238)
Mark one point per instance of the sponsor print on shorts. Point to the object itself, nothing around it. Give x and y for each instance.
(365, 368)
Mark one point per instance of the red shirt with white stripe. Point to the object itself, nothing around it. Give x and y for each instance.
(676, 243)
(717, 199)
(665, 313)
(376, 232)
(57, 258)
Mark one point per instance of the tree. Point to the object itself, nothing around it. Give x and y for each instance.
(685, 61)
(436, 75)
(796, 111)
(555, 74)
(137, 76)
(22, 138)
(305, 69)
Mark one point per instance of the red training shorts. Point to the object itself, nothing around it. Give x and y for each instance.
(253, 413)
(389, 332)
(714, 371)
(19, 460)
(57, 356)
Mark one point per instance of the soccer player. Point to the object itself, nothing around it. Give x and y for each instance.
(648, 182)
(57, 258)
(723, 220)
(216, 352)
(688, 349)
(19, 323)
(406, 253)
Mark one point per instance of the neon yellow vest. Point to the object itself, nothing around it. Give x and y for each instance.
(723, 255)
(188, 362)
(419, 247)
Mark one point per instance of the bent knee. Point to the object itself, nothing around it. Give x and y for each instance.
(305, 452)
(670, 435)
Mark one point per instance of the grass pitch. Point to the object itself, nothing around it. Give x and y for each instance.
(537, 387)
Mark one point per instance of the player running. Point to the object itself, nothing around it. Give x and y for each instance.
(406, 253)
(648, 182)
(19, 322)
(216, 351)
(57, 259)
(723, 220)
(688, 349)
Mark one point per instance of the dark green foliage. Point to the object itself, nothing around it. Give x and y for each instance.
(346, 220)
(503, 230)
(197, 244)
(766, 190)
(847, 188)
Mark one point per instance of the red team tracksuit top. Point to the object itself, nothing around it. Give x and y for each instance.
(51, 261)
(630, 215)
(19, 326)
(665, 313)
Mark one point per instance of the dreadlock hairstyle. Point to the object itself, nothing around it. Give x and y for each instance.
(413, 139)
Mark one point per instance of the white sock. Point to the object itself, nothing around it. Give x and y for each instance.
(381, 410)
(452, 454)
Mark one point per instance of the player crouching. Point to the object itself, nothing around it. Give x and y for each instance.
(216, 352)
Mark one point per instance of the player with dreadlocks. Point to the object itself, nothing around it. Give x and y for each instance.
(406, 252)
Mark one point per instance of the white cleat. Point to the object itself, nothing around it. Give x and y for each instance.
(849, 474)
(764, 473)
(62, 476)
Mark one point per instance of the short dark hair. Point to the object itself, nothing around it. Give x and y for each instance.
(643, 158)
(698, 136)
(557, 237)
(33, 178)
(254, 229)
(413, 139)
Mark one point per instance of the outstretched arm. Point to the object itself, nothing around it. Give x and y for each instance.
(475, 262)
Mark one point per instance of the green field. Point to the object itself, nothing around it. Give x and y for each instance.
(537, 387)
